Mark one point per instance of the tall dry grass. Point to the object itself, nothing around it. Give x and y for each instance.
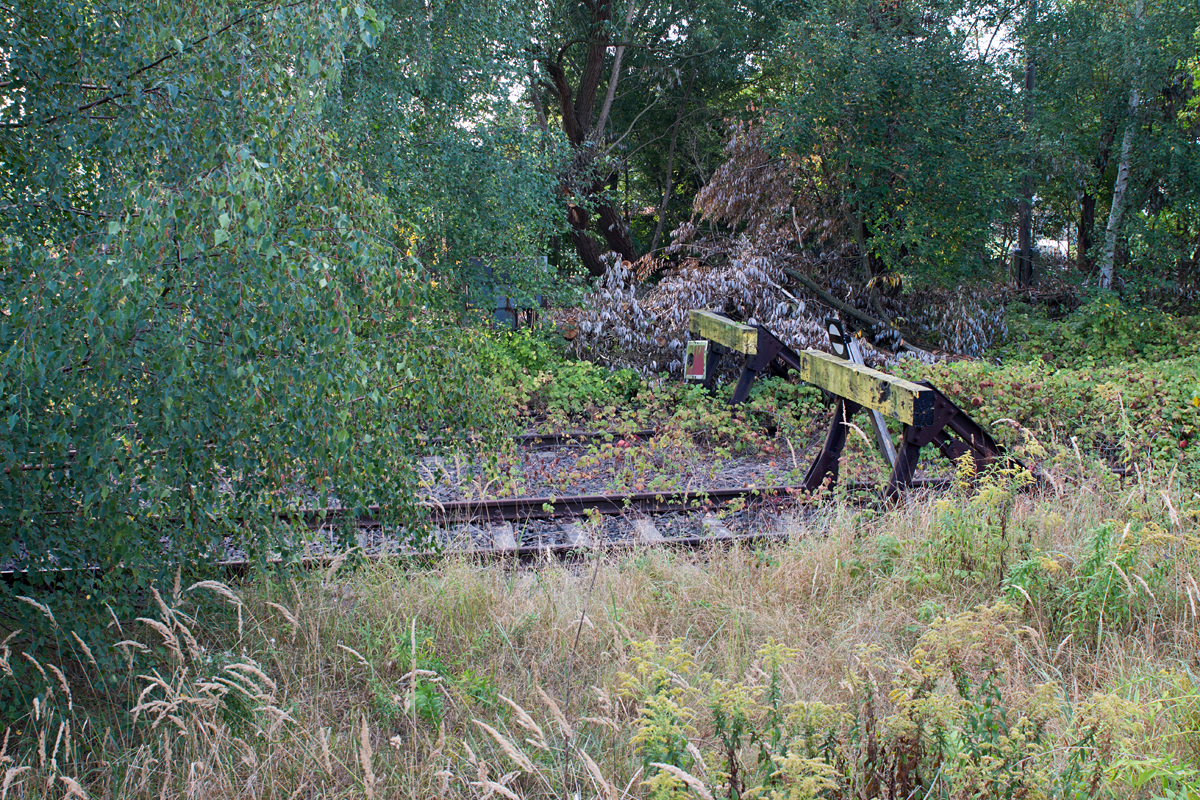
(849, 643)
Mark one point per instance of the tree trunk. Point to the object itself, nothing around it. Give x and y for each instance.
(1025, 208)
(859, 231)
(585, 101)
(616, 74)
(1117, 211)
(537, 104)
(586, 246)
(669, 183)
(1118, 200)
(589, 252)
(585, 130)
(1025, 235)
(1084, 259)
(615, 232)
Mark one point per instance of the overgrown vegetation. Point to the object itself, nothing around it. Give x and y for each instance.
(1108, 380)
(1106, 331)
(997, 644)
(244, 253)
(206, 313)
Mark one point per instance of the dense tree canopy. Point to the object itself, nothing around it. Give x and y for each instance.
(428, 114)
(627, 82)
(903, 129)
(910, 125)
(1091, 57)
(206, 314)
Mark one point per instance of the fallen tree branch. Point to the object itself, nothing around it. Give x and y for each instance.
(850, 310)
(829, 299)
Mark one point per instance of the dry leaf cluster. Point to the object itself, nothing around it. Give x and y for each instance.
(759, 215)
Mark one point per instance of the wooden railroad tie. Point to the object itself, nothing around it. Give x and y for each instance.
(928, 416)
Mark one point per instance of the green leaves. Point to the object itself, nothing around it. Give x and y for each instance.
(428, 114)
(172, 370)
(903, 129)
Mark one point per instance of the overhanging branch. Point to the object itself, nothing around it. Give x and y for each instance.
(153, 64)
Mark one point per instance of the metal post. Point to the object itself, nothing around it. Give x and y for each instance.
(846, 346)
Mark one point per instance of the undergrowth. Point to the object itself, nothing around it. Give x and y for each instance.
(1108, 382)
(530, 372)
(995, 643)
(1104, 332)
(1138, 416)
(1017, 638)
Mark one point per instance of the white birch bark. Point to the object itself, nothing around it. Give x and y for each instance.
(1117, 211)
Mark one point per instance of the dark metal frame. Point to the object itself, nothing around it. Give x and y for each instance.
(948, 419)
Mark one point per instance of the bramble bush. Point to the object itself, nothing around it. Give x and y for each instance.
(533, 376)
(1104, 332)
(1144, 412)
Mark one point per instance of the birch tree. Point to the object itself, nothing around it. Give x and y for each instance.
(1122, 182)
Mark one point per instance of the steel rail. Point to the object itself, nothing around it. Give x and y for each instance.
(525, 554)
(520, 509)
(537, 441)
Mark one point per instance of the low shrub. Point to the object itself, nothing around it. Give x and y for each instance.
(1104, 332)
(532, 375)
(1145, 413)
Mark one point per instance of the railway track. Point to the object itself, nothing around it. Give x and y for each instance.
(520, 509)
(528, 529)
(539, 441)
(562, 527)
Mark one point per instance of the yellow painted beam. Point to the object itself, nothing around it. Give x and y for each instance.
(908, 402)
(715, 328)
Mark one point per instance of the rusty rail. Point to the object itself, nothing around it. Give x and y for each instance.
(521, 509)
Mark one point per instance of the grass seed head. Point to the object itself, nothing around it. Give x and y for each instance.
(507, 747)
